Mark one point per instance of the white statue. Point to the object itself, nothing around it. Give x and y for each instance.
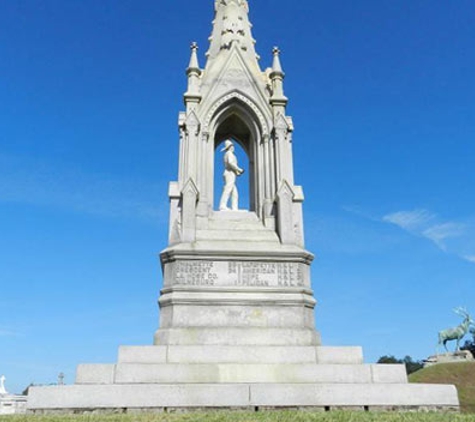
(231, 171)
(2, 385)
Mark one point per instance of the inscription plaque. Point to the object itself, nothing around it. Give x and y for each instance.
(195, 273)
(238, 273)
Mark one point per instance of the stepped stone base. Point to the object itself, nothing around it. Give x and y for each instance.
(237, 331)
(167, 378)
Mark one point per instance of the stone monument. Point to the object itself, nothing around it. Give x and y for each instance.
(237, 327)
(10, 404)
(3, 390)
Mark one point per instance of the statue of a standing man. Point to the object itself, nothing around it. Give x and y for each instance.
(231, 171)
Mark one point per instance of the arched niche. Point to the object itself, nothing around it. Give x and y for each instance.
(237, 121)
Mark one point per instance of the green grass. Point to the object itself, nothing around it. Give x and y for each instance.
(460, 374)
(277, 416)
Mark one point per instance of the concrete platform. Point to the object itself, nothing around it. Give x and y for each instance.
(144, 397)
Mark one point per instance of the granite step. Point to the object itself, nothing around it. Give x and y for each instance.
(177, 373)
(157, 397)
(241, 354)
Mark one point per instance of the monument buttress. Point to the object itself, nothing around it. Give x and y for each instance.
(237, 323)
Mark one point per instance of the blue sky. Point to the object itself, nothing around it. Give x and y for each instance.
(381, 93)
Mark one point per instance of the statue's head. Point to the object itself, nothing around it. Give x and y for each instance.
(228, 145)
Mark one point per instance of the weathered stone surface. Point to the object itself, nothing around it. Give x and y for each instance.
(142, 354)
(456, 357)
(252, 373)
(255, 314)
(382, 374)
(241, 395)
(95, 374)
(241, 354)
(11, 404)
(353, 395)
(137, 396)
(339, 355)
(132, 373)
(231, 336)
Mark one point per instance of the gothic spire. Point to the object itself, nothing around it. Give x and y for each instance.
(192, 95)
(194, 65)
(276, 66)
(278, 99)
(231, 27)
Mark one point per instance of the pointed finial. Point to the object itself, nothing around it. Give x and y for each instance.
(276, 66)
(192, 95)
(278, 99)
(194, 65)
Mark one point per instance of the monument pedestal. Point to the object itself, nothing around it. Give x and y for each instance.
(236, 285)
(455, 357)
(237, 331)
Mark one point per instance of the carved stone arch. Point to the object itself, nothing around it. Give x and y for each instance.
(249, 123)
(236, 116)
(236, 97)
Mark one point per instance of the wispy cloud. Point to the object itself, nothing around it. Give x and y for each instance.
(441, 232)
(454, 237)
(409, 220)
(421, 222)
(37, 182)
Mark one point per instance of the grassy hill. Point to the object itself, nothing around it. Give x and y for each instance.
(460, 374)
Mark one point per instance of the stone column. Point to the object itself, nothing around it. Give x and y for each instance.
(285, 224)
(190, 197)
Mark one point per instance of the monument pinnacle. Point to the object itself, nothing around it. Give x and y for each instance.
(231, 27)
(278, 100)
(192, 95)
(276, 66)
(194, 65)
